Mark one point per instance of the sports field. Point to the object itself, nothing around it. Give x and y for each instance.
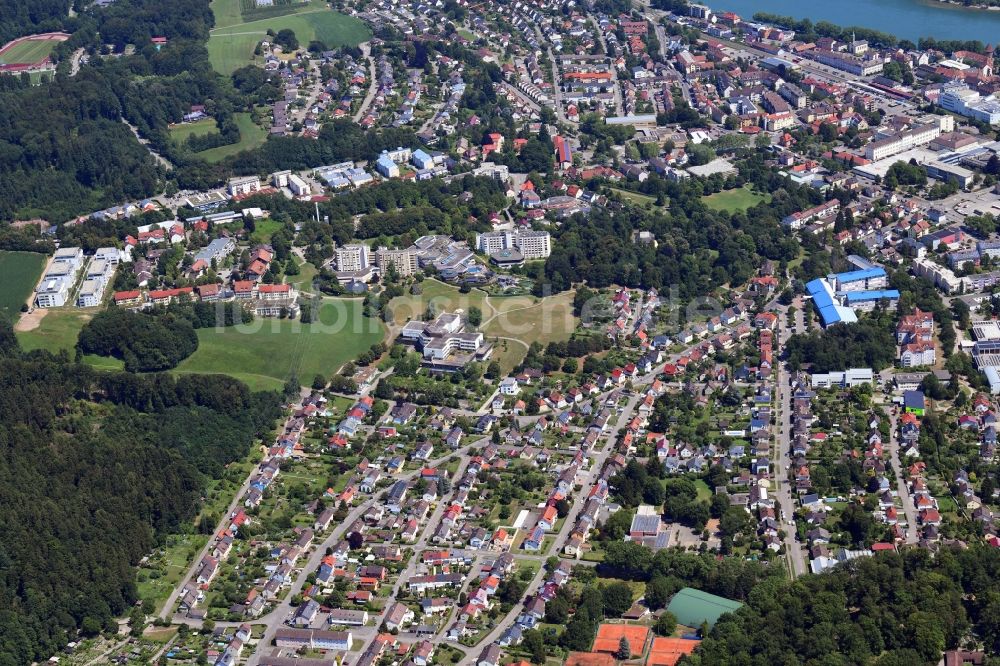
(266, 352)
(731, 201)
(28, 52)
(19, 272)
(231, 47)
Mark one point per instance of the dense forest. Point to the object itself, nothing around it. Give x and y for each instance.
(888, 610)
(25, 17)
(146, 342)
(95, 468)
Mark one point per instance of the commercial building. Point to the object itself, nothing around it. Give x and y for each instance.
(901, 142)
(959, 98)
(843, 378)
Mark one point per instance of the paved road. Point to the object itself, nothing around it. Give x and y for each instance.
(168, 607)
(782, 462)
(372, 84)
(602, 452)
(276, 617)
(909, 510)
(160, 159)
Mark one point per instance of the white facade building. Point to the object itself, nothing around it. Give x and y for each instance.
(352, 258)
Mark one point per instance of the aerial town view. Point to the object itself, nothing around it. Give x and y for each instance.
(499, 332)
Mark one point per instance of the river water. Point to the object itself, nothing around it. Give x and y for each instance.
(907, 19)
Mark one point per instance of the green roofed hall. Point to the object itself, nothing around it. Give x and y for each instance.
(692, 607)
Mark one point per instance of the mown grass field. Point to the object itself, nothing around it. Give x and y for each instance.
(265, 353)
(264, 229)
(732, 201)
(251, 136)
(445, 298)
(634, 197)
(180, 133)
(58, 331)
(19, 273)
(533, 320)
(29, 52)
(231, 45)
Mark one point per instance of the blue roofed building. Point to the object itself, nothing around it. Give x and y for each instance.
(860, 280)
(867, 300)
(830, 312)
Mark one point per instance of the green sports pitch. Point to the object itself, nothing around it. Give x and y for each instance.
(27, 52)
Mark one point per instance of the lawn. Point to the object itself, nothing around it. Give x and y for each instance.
(303, 281)
(634, 197)
(266, 352)
(445, 297)
(29, 52)
(180, 133)
(251, 136)
(19, 273)
(264, 229)
(530, 320)
(231, 47)
(732, 201)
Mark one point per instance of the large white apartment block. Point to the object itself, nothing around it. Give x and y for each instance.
(113, 255)
(55, 286)
(91, 293)
(531, 244)
(70, 256)
(352, 258)
(53, 292)
(404, 261)
(898, 143)
(243, 185)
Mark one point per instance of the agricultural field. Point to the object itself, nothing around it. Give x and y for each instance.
(732, 201)
(266, 352)
(231, 45)
(19, 273)
(28, 52)
(251, 136)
